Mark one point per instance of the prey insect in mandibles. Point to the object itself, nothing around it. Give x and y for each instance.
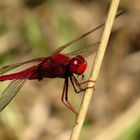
(57, 65)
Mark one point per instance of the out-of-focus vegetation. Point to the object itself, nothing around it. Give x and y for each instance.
(34, 28)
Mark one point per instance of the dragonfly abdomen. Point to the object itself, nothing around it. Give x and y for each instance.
(25, 74)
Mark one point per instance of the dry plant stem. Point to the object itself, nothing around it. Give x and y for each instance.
(95, 69)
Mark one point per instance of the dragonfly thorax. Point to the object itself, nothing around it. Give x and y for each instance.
(78, 65)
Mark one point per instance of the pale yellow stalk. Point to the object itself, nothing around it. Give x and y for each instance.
(95, 69)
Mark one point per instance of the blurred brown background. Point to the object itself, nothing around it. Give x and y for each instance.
(34, 28)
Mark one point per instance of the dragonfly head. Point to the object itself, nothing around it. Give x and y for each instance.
(77, 65)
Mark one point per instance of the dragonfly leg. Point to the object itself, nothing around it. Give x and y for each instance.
(64, 97)
(75, 83)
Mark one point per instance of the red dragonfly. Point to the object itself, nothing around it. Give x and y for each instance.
(57, 65)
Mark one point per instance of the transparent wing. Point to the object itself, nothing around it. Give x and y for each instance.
(78, 38)
(61, 48)
(90, 49)
(9, 93)
(12, 89)
(13, 66)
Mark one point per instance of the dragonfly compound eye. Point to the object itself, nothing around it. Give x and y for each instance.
(78, 65)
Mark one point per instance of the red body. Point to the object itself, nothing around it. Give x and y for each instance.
(57, 65)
